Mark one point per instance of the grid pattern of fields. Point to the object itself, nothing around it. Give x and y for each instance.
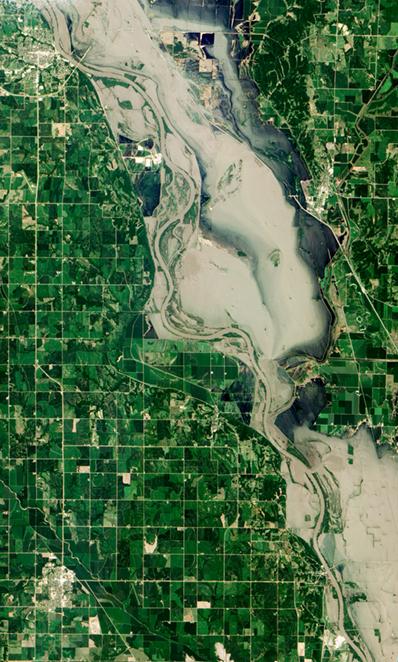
(141, 519)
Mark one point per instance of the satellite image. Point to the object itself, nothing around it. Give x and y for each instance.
(199, 330)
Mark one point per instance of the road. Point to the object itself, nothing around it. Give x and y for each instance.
(314, 477)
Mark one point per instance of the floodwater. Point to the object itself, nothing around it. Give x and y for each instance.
(246, 209)
(207, 291)
(362, 541)
(240, 268)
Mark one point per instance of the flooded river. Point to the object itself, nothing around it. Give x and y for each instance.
(226, 245)
(246, 208)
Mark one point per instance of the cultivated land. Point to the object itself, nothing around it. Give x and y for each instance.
(141, 518)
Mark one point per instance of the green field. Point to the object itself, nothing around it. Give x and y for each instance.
(140, 517)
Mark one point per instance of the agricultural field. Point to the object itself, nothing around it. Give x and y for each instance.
(142, 518)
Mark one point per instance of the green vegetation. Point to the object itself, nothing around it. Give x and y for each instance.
(280, 64)
(140, 518)
(328, 75)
